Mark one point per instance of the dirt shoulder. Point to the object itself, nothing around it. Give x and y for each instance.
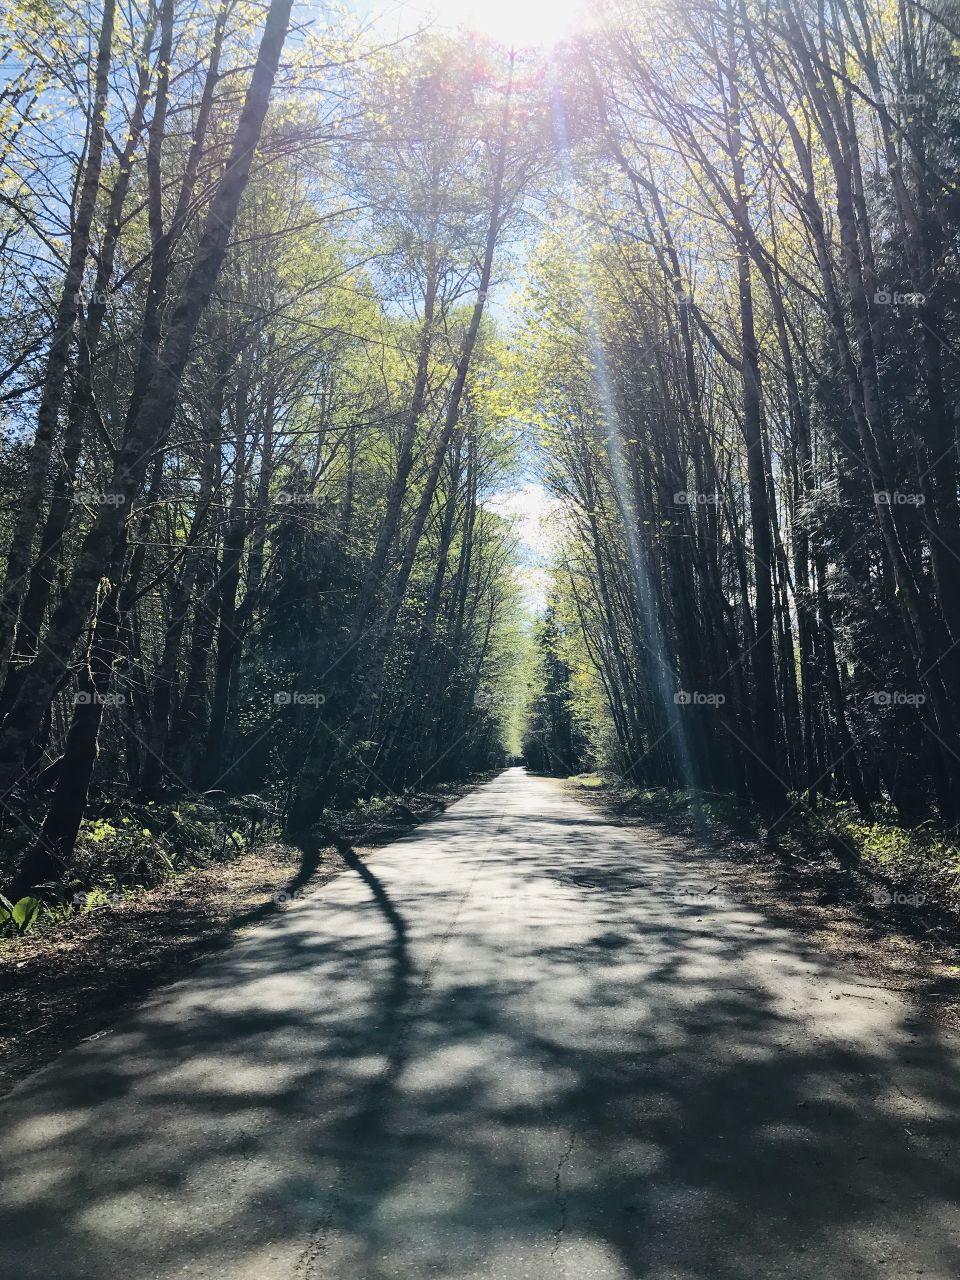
(63, 984)
(908, 947)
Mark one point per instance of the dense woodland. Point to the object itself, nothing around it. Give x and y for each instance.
(741, 345)
(261, 388)
(245, 366)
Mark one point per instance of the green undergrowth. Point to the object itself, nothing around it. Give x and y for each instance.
(902, 853)
(591, 781)
(127, 847)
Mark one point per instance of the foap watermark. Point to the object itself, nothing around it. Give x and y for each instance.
(287, 499)
(896, 898)
(695, 698)
(897, 498)
(896, 698)
(886, 298)
(691, 896)
(283, 896)
(904, 100)
(95, 298)
(94, 899)
(92, 498)
(88, 698)
(295, 698)
(692, 498)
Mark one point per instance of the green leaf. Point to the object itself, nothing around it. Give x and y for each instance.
(25, 913)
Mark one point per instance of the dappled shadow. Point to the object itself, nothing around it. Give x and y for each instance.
(535, 1053)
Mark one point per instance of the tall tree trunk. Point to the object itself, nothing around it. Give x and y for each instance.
(21, 544)
(228, 585)
(62, 504)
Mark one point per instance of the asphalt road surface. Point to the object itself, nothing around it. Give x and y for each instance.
(520, 1043)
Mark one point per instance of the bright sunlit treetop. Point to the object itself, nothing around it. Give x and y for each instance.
(518, 24)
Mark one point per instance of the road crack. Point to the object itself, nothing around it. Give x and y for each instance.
(560, 1196)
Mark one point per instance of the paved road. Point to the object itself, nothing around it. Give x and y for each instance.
(522, 1043)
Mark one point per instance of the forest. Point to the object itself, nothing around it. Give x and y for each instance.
(291, 301)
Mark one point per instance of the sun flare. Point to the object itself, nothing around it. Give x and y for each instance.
(515, 23)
